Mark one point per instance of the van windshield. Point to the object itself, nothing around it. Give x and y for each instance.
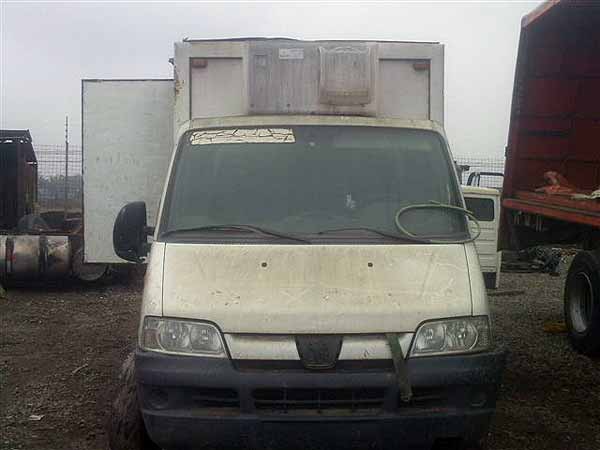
(305, 180)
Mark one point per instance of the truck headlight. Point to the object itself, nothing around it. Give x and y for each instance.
(463, 335)
(182, 337)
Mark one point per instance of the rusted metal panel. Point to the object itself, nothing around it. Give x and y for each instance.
(582, 205)
(555, 113)
(556, 100)
(554, 211)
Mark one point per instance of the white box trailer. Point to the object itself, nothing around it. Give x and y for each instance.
(128, 125)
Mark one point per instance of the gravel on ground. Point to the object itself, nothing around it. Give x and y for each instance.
(61, 348)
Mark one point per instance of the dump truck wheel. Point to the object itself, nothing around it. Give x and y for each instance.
(126, 430)
(582, 303)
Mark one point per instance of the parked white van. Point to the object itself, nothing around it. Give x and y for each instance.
(484, 203)
(312, 280)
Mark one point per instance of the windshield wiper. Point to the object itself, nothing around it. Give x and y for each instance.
(378, 232)
(237, 227)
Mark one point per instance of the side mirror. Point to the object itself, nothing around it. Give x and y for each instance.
(130, 232)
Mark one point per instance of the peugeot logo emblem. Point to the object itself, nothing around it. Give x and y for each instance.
(319, 352)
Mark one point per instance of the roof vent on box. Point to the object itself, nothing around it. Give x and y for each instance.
(345, 76)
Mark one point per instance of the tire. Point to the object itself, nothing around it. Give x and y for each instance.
(88, 273)
(126, 430)
(582, 303)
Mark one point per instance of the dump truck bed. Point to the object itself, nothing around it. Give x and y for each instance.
(555, 117)
(583, 212)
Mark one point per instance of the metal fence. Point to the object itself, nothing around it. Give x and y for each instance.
(494, 165)
(52, 181)
(51, 175)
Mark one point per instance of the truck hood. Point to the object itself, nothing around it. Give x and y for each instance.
(295, 289)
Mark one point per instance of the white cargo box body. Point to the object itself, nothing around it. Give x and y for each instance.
(127, 140)
(128, 125)
(280, 76)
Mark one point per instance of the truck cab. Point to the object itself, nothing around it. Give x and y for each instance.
(312, 276)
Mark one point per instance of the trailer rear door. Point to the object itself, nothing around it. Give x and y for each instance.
(127, 139)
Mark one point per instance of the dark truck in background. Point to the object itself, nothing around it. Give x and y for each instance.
(551, 192)
(36, 243)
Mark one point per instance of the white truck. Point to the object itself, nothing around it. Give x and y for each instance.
(312, 279)
(484, 203)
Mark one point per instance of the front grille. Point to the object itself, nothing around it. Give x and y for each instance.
(214, 398)
(282, 400)
(424, 397)
(365, 365)
(169, 397)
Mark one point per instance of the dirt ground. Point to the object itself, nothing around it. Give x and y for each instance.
(61, 348)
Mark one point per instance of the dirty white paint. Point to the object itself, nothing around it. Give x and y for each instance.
(478, 290)
(345, 75)
(152, 296)
(316, 288)
(428, 52)
(373, 346)
(283, 347)
(316, 120)
(184, 52)
(127, 142)
(408, 99)
(229, 78)
(486, 244)
(291, 53)
(218, 89)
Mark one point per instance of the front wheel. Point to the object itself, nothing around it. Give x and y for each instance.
(582, 303)
(126, 430)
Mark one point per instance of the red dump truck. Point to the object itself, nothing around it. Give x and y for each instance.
(551, 192)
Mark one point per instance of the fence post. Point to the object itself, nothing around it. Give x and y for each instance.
(66, 186)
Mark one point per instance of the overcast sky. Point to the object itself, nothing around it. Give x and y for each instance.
(48, 47)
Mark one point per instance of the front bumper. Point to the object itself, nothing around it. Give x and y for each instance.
(194, 402)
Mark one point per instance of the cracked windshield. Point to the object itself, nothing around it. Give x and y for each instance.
(309, 179)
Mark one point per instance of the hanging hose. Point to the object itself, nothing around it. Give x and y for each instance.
(436, 205)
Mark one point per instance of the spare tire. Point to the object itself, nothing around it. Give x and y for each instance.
(126, 430)
(582, 303)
